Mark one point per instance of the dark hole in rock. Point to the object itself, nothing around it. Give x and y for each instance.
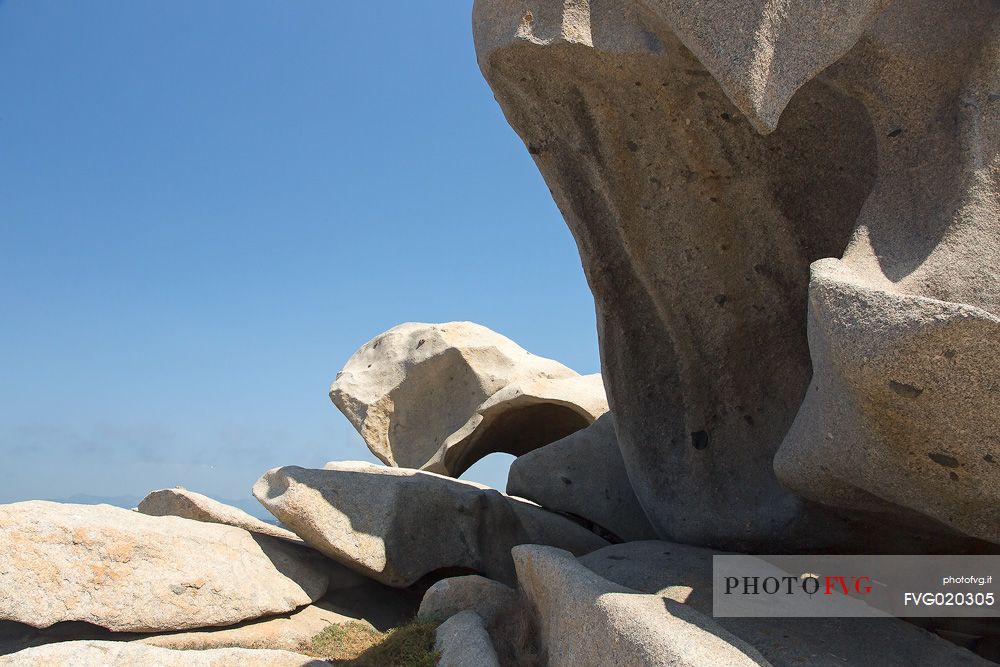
(905, 390)
(699, 439)
(944, 460)
(519, 431)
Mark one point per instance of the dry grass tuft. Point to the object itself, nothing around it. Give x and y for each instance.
(361, 645)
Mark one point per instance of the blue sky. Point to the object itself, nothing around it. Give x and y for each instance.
(206, 207)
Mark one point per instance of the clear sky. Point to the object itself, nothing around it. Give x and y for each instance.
(206, 207)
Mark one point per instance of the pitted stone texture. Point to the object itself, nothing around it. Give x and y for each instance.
(762, 51)
(583, 474)
(457, 594)
(697, 233)
(684, 574)
(588, 621)
(122, 654)
(190, 505)
(442, 396)
(904, 331)
(396, 525)
(126, 571)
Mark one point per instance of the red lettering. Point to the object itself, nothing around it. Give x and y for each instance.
(831, 584)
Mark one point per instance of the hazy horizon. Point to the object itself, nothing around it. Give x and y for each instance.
(208, 207)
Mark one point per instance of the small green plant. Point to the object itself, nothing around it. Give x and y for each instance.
(361, 645)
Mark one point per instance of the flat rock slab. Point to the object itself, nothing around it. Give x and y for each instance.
(380, 606)
(190, 505)
(127, 571)
(396, 525)
(119, 654)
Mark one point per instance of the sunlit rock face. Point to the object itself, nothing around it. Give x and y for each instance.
(440, 397)
(705, 155)
(398, 526)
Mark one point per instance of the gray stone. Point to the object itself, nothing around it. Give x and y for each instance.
(190, 505)
(122, 654)
(127, 571)
(439, 397)
(396, 525)
(903, 413)
(697, 233)
(462, 641)
(471, 592)
(683, 574)
(588, 621)
(583, 474)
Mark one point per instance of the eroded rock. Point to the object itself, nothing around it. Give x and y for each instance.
(442, 396)
(697, 233)
(457, 594)
(587, 621)
(904, 330)
(190, 505)
(583, 474)
(397, 525)
(126, 571)
(683, 574)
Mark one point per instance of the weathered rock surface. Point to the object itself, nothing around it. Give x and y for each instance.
(190, 505)
(457, 594)
(696, 234)
(683, 574)
(462, 641)
(583, 474)
(372, 603)
(121, 654)
(290, 632)
(904, 330)
(126, 571)
(442, 396)
(587, 621)
(396, 525)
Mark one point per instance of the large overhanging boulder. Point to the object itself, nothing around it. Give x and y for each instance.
(126, 571)
(439, 397)
(397, 526)
(698, 214)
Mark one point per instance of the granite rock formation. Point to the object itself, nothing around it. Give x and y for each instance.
(190, 505)
(584, 475)
(683, 574)
(397, 526)
(439, 397)
(588, 620)
(704, 155)
(126, 571)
